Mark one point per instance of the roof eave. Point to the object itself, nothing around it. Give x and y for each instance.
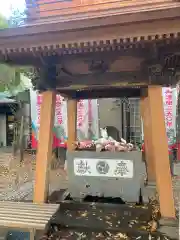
(102, 19)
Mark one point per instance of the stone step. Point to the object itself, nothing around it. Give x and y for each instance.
(58, 232)
(102, 216)
(96, 220)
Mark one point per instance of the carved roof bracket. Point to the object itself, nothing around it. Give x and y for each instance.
(157, 74)
(47, 78)
(98, 66)
(154, 51)
(172, 62)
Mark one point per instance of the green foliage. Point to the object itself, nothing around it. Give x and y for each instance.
(3, 22)
(10, 77)
(17, 18)
(33, 74)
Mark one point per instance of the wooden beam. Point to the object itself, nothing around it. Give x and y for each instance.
(112, 92)
(44, 152)
(97, 79)
(109, 55)
(72, 122)
(31, 58)
(160, 151)
(145, 109)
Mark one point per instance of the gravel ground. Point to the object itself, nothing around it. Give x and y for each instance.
(25, 173)
(58, 178)
(176, 185)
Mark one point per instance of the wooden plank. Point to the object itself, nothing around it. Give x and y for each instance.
(44, 152)
(27, 210)
(15, 219)
(72, 121)
(147, 138)
(22, 224)
(26, 215)
(32, 217)
(28, 205)
(160, 151)
(17, 213)
(23, 207)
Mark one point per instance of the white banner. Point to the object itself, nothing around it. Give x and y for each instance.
(170, 106)
(87, 119)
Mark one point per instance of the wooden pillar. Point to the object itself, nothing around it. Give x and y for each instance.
(145, 109)
(159, 148)
(72, 123)
(44, 151)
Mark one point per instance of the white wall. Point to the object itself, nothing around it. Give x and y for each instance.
(109, 114)
(3, 129)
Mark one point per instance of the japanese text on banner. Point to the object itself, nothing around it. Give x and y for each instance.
(168, 108)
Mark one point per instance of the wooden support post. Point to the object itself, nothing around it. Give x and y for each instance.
(147, 139)
(44, 152)
(160, 151)
(72, 123)
(32, 234)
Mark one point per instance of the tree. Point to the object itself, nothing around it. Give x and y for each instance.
(3, 22)
(17, 18)
(10, 76)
